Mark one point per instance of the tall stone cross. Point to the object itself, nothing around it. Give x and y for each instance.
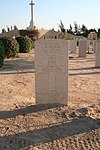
(32, 19)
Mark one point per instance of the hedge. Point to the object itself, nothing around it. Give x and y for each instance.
(25, 44)
(2, 53)
(11, 47)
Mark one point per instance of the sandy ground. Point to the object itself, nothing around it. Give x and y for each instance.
(25, 126)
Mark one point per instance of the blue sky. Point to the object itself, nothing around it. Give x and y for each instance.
(48, 13)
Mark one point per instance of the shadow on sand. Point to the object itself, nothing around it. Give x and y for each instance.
(18, 67)
(47, 134)
(85, 73)
(27, 110)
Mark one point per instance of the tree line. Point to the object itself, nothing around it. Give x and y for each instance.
(78, 30)
(9, 29)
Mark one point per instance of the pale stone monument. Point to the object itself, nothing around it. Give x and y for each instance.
(94, 45)
(82, 48)
(88, 45)
(92, 36)
(73, 46)
(32, 26)
(97, 62)
(51, 71)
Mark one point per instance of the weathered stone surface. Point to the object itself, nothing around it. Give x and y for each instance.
(51, 70)
(97, 61)
(82, 48)
(94, 45)
(73, 46)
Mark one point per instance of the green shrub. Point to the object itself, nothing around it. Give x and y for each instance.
(33, 43)
(25, 44)
(11, 47)
(2, 53)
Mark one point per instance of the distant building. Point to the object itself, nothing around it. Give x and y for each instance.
(15, 33)
(33, 34)
(48, 34)
(12, 33)
(39, 34)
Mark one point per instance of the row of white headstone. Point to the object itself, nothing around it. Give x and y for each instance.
(51, 69)
(74, 45)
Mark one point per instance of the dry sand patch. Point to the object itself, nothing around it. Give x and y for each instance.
(24, 126)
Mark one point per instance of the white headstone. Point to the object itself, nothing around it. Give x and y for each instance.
(73, 46)
(94, 45)
(51, 71)
(97, 62)
(82, 48)
(88, 45)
